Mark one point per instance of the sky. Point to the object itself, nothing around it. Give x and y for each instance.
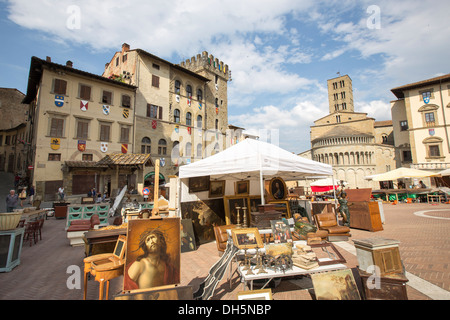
(281, 53)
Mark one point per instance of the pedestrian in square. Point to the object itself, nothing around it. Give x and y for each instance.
(12, 199)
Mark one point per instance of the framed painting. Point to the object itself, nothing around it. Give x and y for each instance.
(242, 188)
(261, 294)
(159, 293)
(198, 184)
(234, 212)
(278, 189)
(254, 202)
(247, 238)
(283, 206)
(333, 257)
(216, 188)
(281, 231)
(187, 236)
(335, 285)
(155, 243)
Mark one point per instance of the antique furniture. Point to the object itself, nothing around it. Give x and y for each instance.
(328, 222)
(380, 252)
(105, 267)
(387, 287)
(60, 209)
(31, 232)
(78, 227)
(364, 214)
(248, 278)
(102, 241)
(10, 248)
(221, 235)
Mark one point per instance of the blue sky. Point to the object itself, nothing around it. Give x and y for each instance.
(280, 53)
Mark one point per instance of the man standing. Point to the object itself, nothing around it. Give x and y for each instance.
(61, 193)
(12, 200)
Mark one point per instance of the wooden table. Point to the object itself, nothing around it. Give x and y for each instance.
(95, 237)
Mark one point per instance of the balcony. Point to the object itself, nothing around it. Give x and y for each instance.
(431, 166)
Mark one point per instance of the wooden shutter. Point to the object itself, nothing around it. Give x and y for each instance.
(104, 132)
(60, 86)
(85, 92)
(56, 127)
(82, 130)
(160, 112)
(155, 81)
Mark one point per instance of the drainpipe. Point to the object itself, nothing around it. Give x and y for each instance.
(443, 115)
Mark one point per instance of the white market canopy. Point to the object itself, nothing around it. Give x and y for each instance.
(443, 173)
(252, 159)
(400, 173)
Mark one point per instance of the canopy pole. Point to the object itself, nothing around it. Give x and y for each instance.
(335, 200)
(261, 182)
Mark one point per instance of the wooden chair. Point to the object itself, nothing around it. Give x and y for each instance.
(105, 267)
(39, 228)
(21, 223)
(31, 232)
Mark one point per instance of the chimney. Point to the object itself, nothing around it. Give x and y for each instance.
(69, 64)
(125, 47)
(48, 59)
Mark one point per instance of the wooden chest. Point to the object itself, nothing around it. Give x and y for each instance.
(364, 214)
(389, 287)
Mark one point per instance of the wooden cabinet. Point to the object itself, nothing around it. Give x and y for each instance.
(364, 214)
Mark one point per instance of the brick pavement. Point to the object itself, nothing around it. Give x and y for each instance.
(424, 249)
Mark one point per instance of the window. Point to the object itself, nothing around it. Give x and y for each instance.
(217, 124)
(217, 102)
(107, 97)
(124, 134)
(199, 95)
(403, 125)
(433, 151)
(7, 140)
(199, 121)
(343, 95)
(117, 61)
(162, 147)
(124, 58)
(86, 157)
(199, 150)
(155, 66)
(176, 116)
(189, 119)
(189, 91)
(384, 138)
(429, 118)
(60, 86)
(105, 130)
(188, 150)
(54, 157)
(146, 145)
(126, 101)
(338, 119)
(407, 157)
(85, 92)
(344, 106)
(175, 151)
(155, 81)
(82, 129)
(177, 86)
(152, 111)
(56, 127)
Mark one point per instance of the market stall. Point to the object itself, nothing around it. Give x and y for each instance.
(247, 174)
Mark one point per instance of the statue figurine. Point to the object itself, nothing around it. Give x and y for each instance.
(343, 208)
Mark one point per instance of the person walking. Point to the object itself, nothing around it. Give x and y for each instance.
(31, 194)
(61, 193)
(12, 199)
(23, 196)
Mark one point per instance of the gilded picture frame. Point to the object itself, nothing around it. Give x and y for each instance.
(278, 189)
(261, 294)
(247, 238)
(231, 203)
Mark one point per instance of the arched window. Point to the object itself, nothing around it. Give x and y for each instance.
(188, 150)
(199, 94)
(199, 150)
(175, 151)
(146, 145)
(199, 121)
(189, 91)
(189, 119)
(217, 102)
(177, 86)
(162, 147)
(176, 116)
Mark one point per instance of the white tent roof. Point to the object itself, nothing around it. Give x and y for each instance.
(400, 173)
(443, 173)
(246, 159)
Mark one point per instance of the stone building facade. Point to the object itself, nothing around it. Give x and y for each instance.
(77, 119)
(181, 110)
(14, 133)
(353, 143)
(421, 122)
